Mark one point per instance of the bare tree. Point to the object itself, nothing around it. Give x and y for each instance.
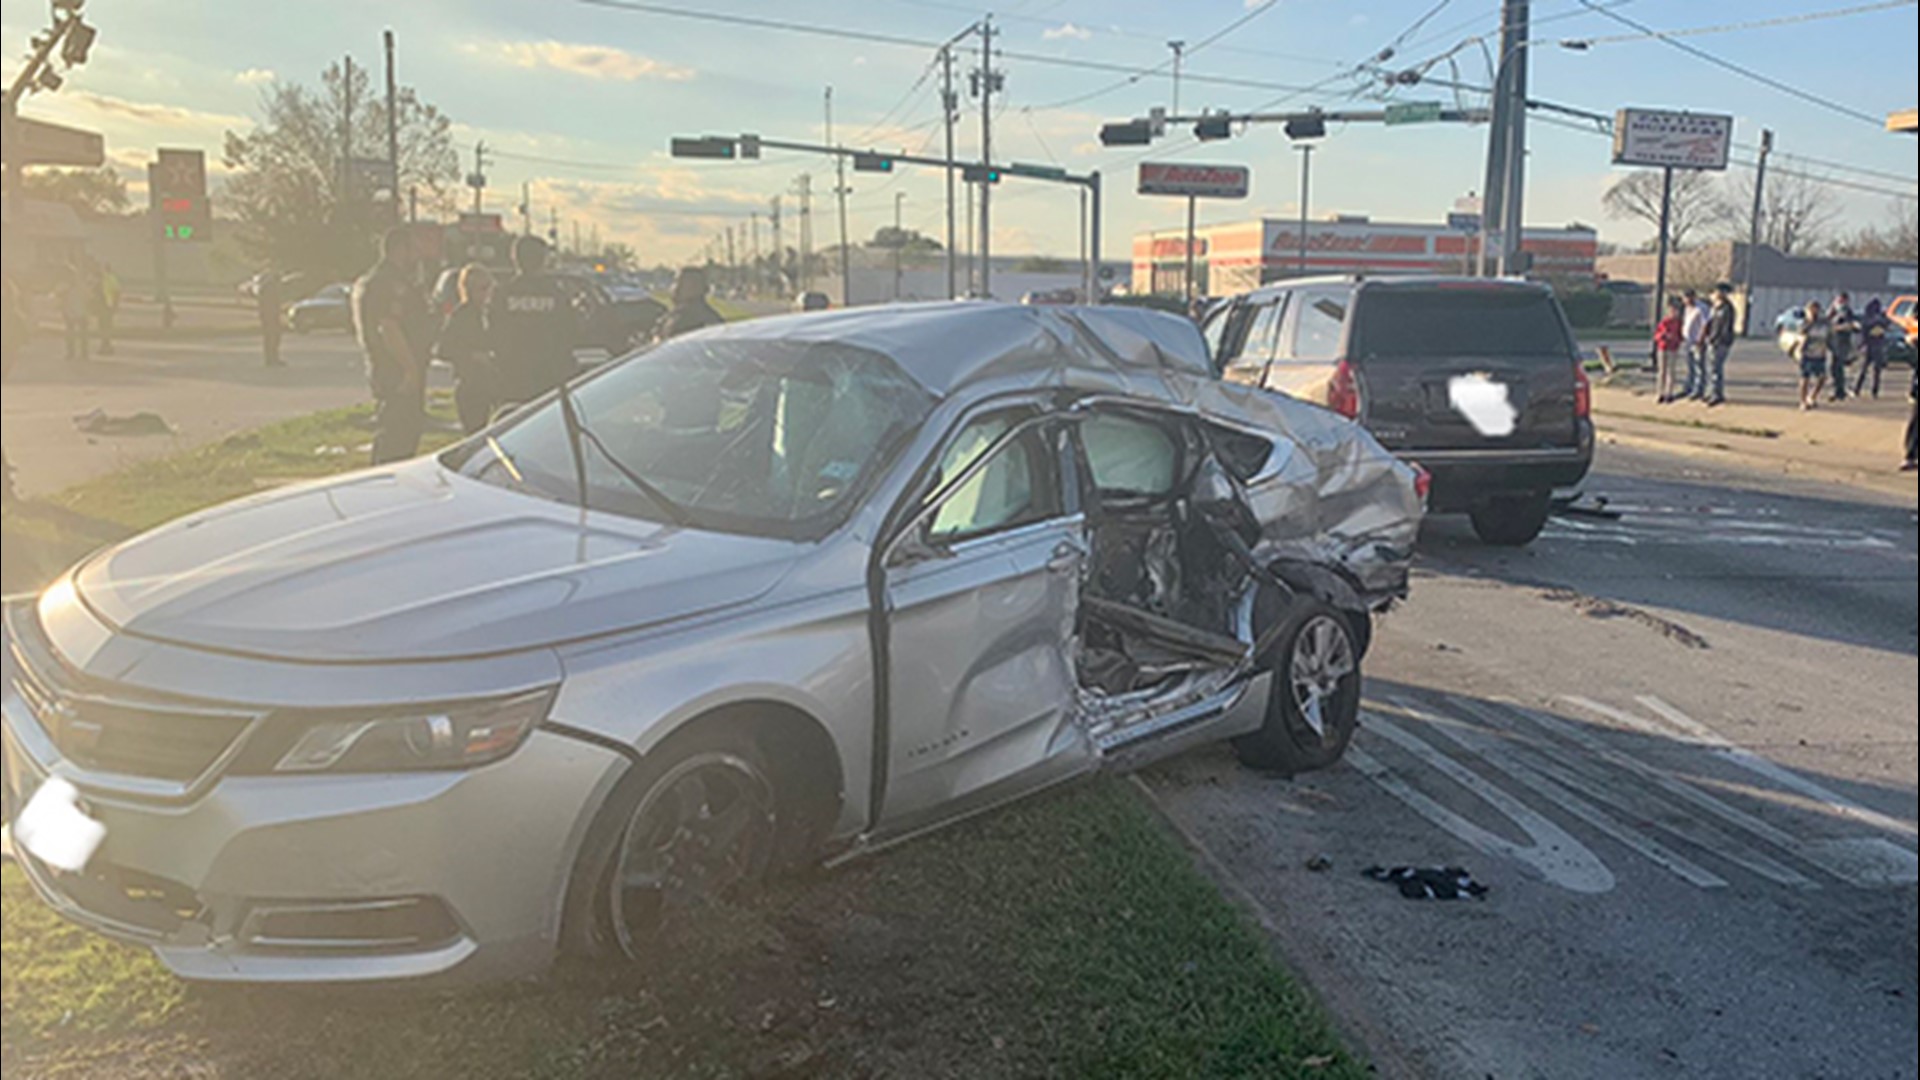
(1797, 212)
(1698, 203)
(1896, 239)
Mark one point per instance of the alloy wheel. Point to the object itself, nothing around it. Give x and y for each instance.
(1322, 660)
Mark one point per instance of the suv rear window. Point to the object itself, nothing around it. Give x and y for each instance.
(1459, 322)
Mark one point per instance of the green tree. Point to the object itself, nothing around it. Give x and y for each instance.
(299, 204)
(95, 192)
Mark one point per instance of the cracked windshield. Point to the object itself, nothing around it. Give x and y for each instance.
(908, 538)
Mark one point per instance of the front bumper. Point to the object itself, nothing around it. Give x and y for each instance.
(465, 872)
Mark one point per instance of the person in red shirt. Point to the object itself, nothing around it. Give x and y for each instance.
(1668, 336)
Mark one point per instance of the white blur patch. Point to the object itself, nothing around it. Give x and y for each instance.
(53, 828)
(1484, 403)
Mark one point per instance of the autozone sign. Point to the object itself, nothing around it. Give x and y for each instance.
(1194, 181)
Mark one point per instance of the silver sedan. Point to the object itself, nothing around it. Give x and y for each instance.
(775, 593)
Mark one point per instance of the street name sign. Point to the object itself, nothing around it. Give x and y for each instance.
(1412, 112)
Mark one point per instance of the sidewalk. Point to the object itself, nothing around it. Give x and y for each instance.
(1858, 443)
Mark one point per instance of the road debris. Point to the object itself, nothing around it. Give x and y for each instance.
(1429, 882)
(1320, 862)
(1594, 607)
(101, 422)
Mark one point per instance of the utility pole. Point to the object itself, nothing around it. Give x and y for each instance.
(478, 181)
(779, 252)
(393, 126)
(753, 251)
(1503, 202)
(899, 243)
(840, 197)
(346, 131)
(1753, 235)
(805, 191)
(1306, 179)
(1514, 198)
(985, 81)
(949, 107)
(1179, 49)
(526, 208)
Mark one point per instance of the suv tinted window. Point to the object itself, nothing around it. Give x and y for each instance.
(1314, 327)
(1460, 321)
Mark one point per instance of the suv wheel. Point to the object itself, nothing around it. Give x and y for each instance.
(1512, 520)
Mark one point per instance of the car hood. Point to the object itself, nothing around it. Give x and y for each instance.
(414, 563)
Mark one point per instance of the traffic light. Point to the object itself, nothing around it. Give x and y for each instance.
(1209, 128)
(980, 174)
(1127, 133)
(709, 146)
(1306, 127)
(177, 192)
(750, 146)
(870, 162)
(78, 43)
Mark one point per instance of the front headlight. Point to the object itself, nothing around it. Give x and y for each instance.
(452, 737)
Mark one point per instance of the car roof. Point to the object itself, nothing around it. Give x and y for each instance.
(1398, 281)
(949, 346)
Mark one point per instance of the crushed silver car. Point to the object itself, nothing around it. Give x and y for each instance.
(776, 592)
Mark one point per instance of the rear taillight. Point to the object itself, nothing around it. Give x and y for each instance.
(1422, 481)
(1343, 393)
(1582, 393)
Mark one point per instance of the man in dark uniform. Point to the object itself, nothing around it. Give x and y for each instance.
(389, 314)
(533, 326)
(268, 302)
(690, 310)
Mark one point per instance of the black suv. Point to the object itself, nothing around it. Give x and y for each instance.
(1476, 380)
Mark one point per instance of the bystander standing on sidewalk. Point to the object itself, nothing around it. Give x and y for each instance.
(389, 315)
(77, 291)
(1693, 326)
(1874, 326)
(1913, 423)
(1722, 326)
(1843, 325)
(107, 297)
(1668, 338)
(1811, 349)
(267, 305)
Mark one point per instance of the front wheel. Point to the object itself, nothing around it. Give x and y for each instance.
(703, 830)
(1512, 520)
(1313, 705)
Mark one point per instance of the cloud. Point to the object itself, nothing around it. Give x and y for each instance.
(588, 61)
(255, 76)
(1066, 31)
(150, 114)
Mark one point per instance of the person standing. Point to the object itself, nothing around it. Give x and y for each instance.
(1669, 336)
(14, 330)
(463, 343)
(1693, 326)
(77, 291)
(108, 300)
(269, 302)
(532, 327)
(1913, 424)
(387, 313)
(1874, 325)
(1722, 326)
(1842, 325)
(690, 310)
(1811, 349)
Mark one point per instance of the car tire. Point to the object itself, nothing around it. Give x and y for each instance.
(1512, 520)
(669, 859)
(1313, 703)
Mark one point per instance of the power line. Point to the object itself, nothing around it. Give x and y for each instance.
(875, 38)
(1250, 15)
(1744, 163)
(1728, 28)
(1118, 31)
(1737, 69)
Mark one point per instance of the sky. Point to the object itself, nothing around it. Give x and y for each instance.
(580, 99)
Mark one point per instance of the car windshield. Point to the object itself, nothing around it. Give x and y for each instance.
(770, 438)
(1468, 321)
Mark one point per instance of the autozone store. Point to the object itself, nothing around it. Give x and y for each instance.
(1242, 255)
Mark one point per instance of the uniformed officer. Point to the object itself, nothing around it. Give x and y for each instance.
(690, 310)
(389, 315)
(533, 326)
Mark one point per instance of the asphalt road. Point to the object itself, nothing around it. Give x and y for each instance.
(1679, 747)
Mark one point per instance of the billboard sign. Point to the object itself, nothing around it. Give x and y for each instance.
(1663, 138)
(177, 194)
(1194, 181)
(36, 142)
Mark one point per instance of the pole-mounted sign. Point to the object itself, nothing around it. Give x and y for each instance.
(1194, 181)
(1662, 138)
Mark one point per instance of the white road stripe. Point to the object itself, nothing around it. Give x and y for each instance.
(1839, 805)
(1553, 852)
(1820, 855)
(1559, 792)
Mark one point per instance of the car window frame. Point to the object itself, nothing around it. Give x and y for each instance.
(1286, 351)
(1031, 426)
